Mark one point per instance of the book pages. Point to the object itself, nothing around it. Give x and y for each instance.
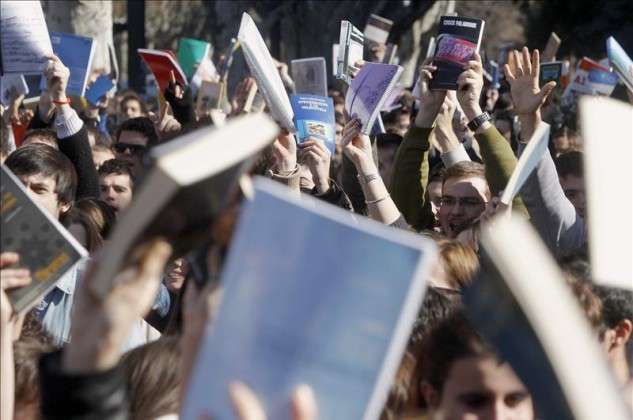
(607, 131)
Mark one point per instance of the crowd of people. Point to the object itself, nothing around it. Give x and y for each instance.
(438, 170)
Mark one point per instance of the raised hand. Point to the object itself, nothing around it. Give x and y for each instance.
(10, 278)
(526, 94)
(430, 100)
(317, 156)
(56, 75)
(470, 83)
(284, 150)
(356, 146)
(166, 124)
(241, 95)
(444, 132)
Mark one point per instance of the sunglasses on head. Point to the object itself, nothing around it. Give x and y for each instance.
(133, 148)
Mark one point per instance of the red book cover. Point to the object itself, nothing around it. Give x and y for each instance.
(161, 62)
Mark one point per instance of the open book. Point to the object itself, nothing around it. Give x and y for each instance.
(322, 299)
(457, 41)
(528, 161)
(523, 306)
(46, 248)
(350, 50)
(621, 62)
(24, 37)
(369, 91)
(12, 85)
(185, 189)
(314, 117)
(161, 63)
(76, 52)
(265, 73)
(310, 76)
(609, 198)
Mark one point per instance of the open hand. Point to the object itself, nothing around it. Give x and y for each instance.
(524, 85)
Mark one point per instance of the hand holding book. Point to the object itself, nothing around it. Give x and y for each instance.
(317, 156)
(284, 150)
(57, 76)
(10, 278)
(430, 100)
(470, 84)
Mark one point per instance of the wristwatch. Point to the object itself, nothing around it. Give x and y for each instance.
(478, 121)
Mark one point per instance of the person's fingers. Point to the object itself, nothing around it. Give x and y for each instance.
(172, 77)
(536, 63)
(8, 258)
(304, 405)
(508, 72)
(12, 278)
(546, 90)
(526, 64)
(152, 117)
(517, 62)
(52, 57)
(245, 402)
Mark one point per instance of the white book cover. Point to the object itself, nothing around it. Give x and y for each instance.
(607, 133)
(265, 73)
(377, 29)
(24, 38)
(322, 298)
(528, 161)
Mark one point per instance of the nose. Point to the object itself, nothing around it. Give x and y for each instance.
(458, 208)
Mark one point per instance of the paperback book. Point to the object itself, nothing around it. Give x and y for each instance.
(265, 73)
(521, 303)
(314, 117)
(369, 92)
(161, 63)
(77, 53)
(621, 62)
(457, 41)
(209, 97)
(190, 53)
(549, 53)
(13, 85)
(45, 247)
(188, 183)
(310, 76)
(377, 30)
(552, 71)
(24, 38)
(288, 318)
(350, 50)
(590, 79)
(98, 90)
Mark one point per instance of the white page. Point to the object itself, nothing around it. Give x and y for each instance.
(607, 133)
(24, 37)
(12, 84)
(311, 295)
(528, 161)
(265, 73)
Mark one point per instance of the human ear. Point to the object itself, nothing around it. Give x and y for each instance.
(623, 332)
(430, 395)
(64, 208)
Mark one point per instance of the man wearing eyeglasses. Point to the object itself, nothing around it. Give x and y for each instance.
(133, 138)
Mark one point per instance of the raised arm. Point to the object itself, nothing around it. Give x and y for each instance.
(410, 171)
(551, 213)
(496, 152)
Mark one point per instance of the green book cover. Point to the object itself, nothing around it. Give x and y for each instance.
(190, 53)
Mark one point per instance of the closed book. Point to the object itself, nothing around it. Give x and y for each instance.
(621, 62)
(76, 52)
(13, 85)
(350, 50)
(552, 71)
(98, 90)
(190, 53)
(310, 296)
(209, 97)
(310, 76)
(161, 63)
(377, 30)
(45, 247)
(457, 40)
(265, 73)
(369, 92)
(590, 79)
(188, 182)
(314, 117)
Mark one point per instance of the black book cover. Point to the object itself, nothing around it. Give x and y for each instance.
(457, 40)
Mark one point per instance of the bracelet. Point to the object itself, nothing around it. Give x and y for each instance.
(364, 180)
(377, 200)
(66, 102)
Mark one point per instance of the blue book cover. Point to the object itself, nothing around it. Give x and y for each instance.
(311, 296)
(314, 117)
(76, 52)
(621, 62)
(97, 91)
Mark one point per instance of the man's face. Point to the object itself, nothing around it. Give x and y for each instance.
(574, 188)
(116, 191)
(131, 108)
(463, 200)
(128, 148)
(43, 189)
(482, 388)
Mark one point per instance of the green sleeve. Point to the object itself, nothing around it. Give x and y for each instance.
(409, 178)
(500, 162)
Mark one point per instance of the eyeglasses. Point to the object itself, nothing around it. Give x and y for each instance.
(464, 202)
(133, 148)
